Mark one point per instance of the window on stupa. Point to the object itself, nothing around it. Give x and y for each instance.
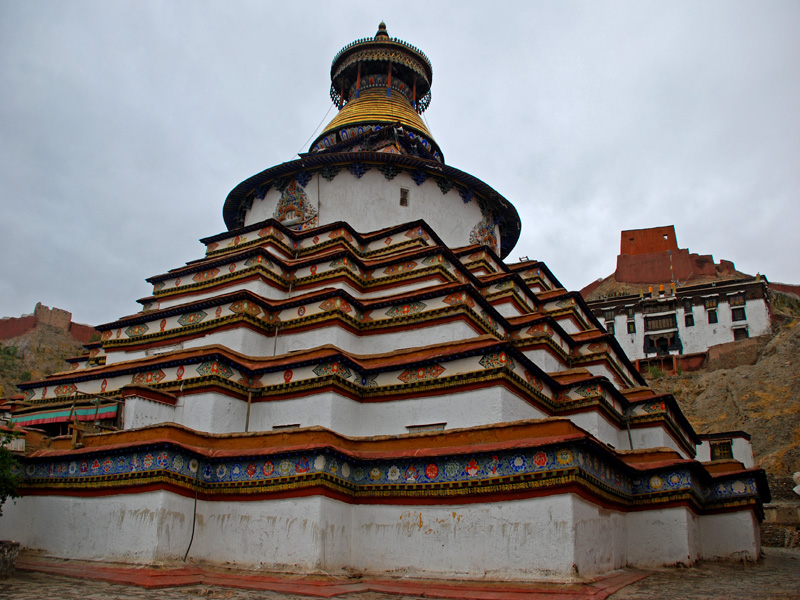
(721, 450)
(631, 327)
(712, 317)
(403, 197)
(738, 314)
(423, 428)
(689, 320)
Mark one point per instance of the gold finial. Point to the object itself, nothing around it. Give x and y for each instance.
(381, 31)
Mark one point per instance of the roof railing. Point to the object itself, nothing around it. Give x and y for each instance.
(393, 40)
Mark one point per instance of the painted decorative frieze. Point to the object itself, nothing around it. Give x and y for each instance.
(148, 377)
(520, 468)
(215, 367)
(494, 360)
(336, 303)
(245, 307)
(421, 374)
(401, 310)
(191, 318)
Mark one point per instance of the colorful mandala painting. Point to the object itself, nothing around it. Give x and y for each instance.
(191, 318)
(402, 310)
(66, 389)
(158, 286)
(369, 380)
(252, 381)
(258, 260)
(336, 304)
(399, 268)
(489, 319)
(493, 360)
(271, 232)
(332, 368)
(534, 381)
(485, 233)
(137, 330)
(597, 347)
(437, 259)
(341, 233)
(421, 373)
(417, 232)
(246, 307)
(459, 298)
(589, 389)
(214, 367)
(540, 329)
(294, 210)
(564, 302)
(147, 377)
(564, 457)
(205, 275)
(654, 407)
(343, 262)
(504, 285)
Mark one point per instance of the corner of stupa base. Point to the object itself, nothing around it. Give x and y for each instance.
(560, 537)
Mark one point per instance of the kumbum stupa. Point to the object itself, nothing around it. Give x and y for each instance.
(352, 378)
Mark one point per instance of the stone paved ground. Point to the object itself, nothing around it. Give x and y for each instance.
(776, 577)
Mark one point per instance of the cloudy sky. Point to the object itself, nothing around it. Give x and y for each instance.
(124, 125)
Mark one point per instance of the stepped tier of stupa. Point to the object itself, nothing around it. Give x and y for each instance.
(352, 378)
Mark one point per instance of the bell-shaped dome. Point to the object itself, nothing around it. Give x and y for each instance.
(380, 83)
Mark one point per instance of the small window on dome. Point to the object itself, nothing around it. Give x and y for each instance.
(403, 197)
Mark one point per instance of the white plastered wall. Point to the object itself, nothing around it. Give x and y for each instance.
(561, 535)
(667, 536)
(348, 417)
(144, 527)
(344, 199)
(730, 535)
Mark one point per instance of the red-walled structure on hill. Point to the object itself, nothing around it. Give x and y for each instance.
(662, 301)
(12, 327)
(650, 255)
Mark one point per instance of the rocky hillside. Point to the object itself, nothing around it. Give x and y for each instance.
(33, 355)
(762, 399)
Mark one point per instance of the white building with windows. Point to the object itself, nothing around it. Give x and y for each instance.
(688, 319)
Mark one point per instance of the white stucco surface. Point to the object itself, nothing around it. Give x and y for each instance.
(666, 536)
(142, 527)
(345, 199)
(721, 535)
(348, 417)
(557, 536)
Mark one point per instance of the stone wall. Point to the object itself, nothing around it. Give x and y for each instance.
(11, 327)
(734, 354)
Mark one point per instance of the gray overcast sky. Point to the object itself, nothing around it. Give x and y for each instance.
(124, 125)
